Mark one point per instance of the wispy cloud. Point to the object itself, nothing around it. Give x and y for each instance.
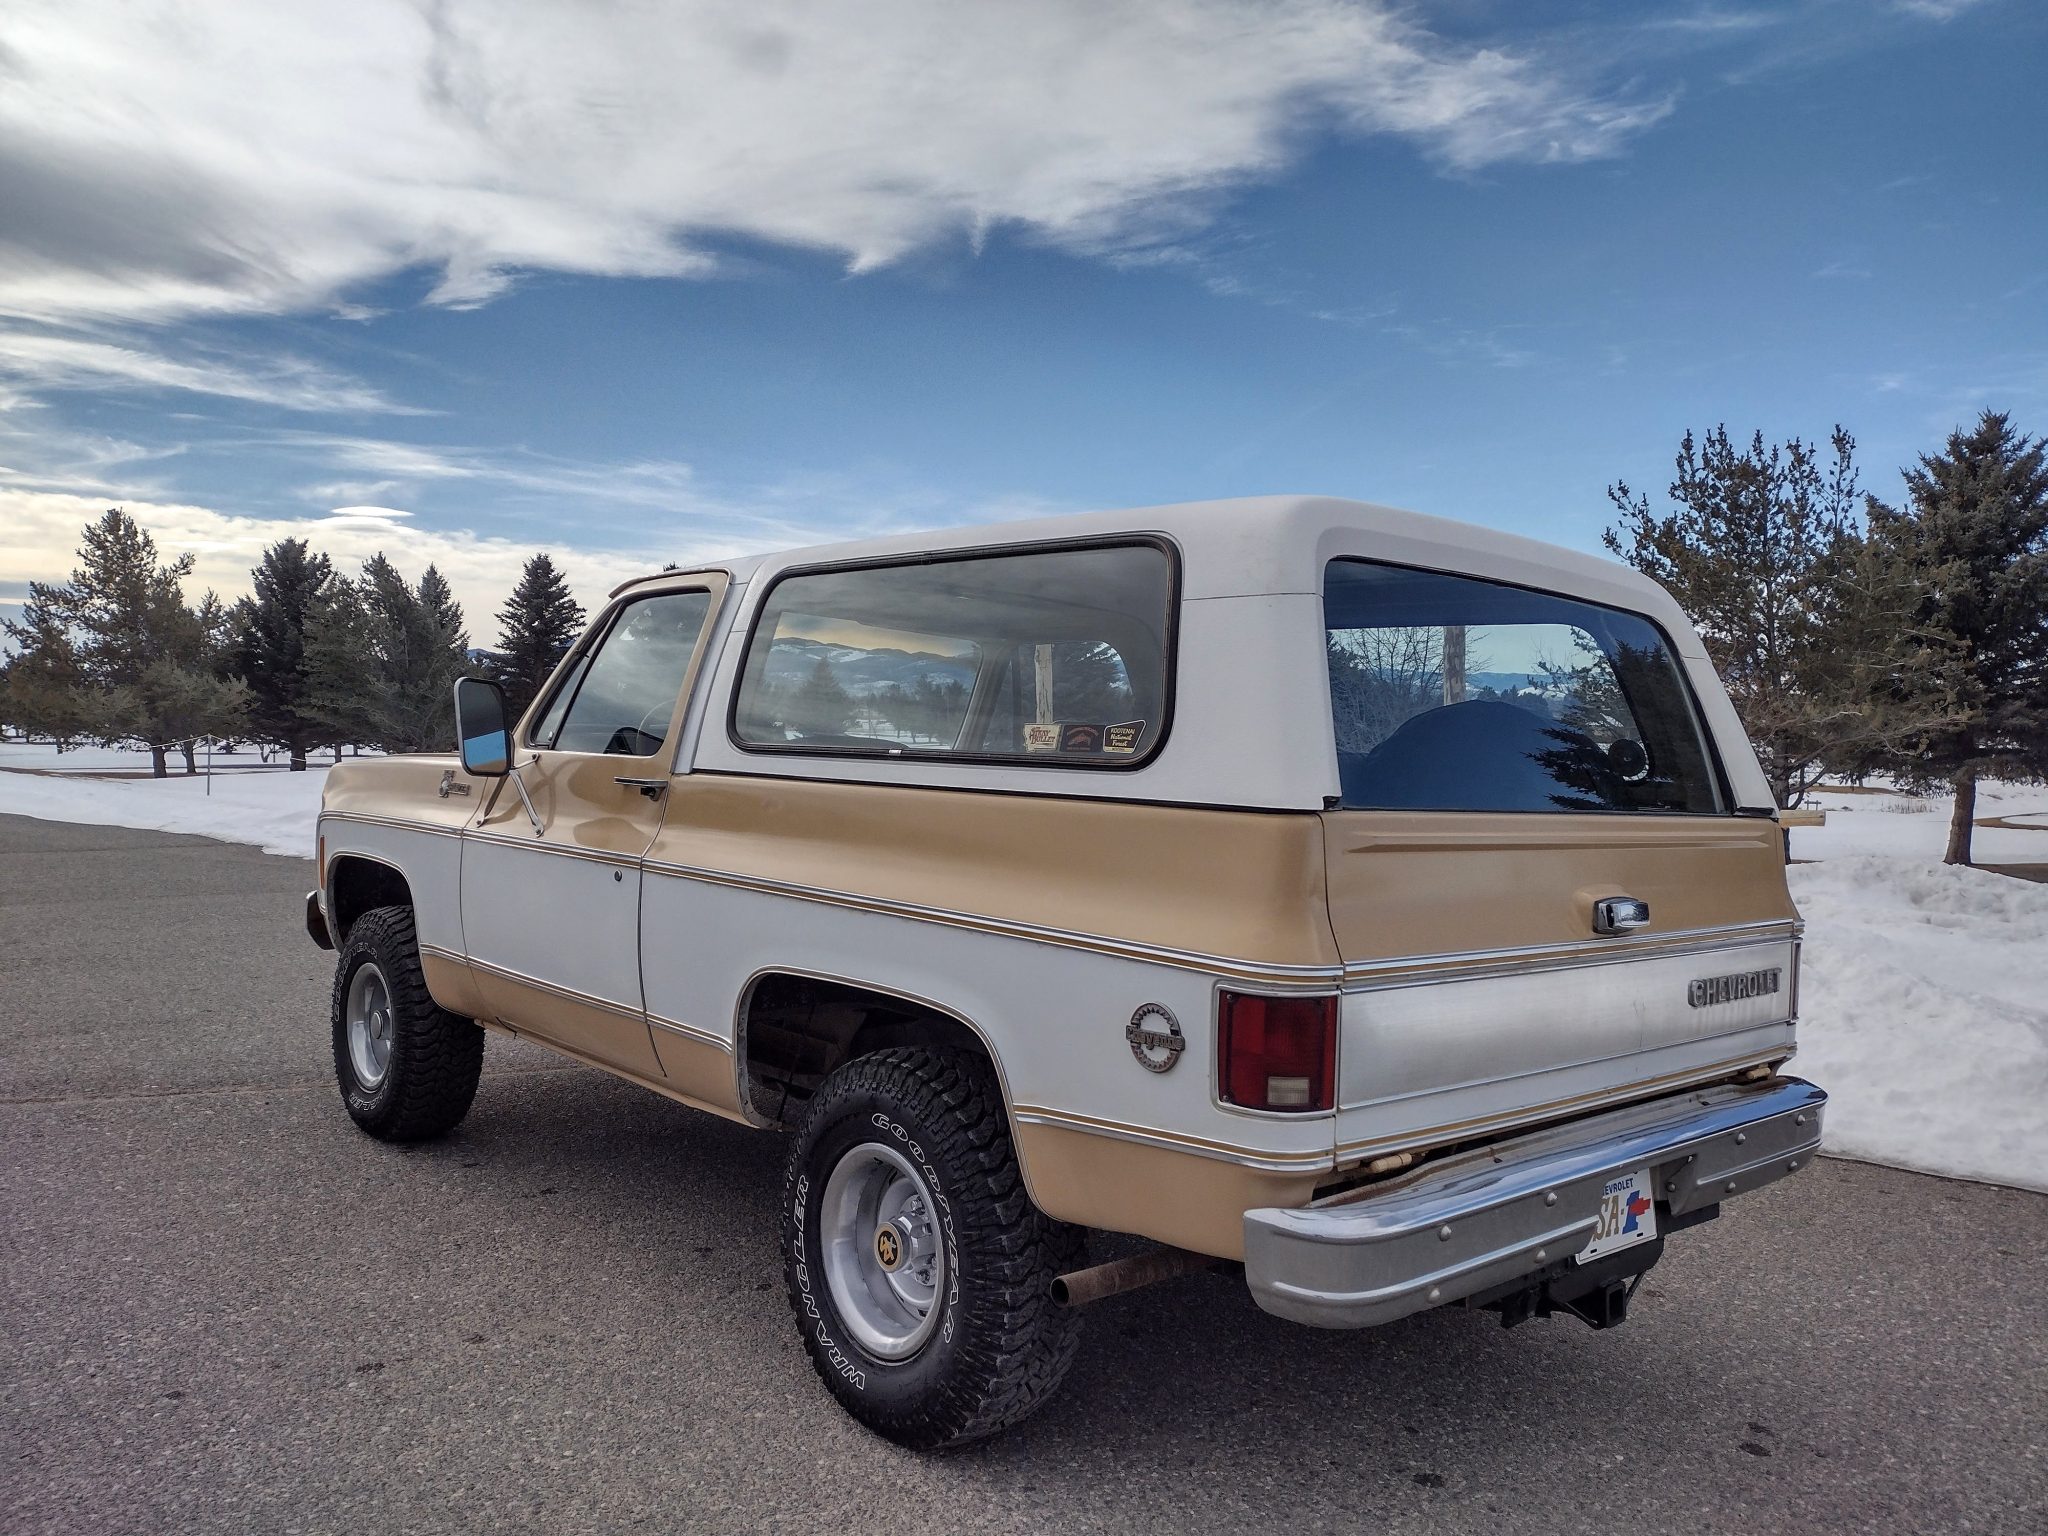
(46, 360)
(172, 158)
(1936, 10)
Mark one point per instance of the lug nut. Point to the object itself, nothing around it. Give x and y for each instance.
(1550, 1198)
(1443, 1234)
(1741, 1137)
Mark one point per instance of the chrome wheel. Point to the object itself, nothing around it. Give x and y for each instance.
(884, 1262)
(370, 1025)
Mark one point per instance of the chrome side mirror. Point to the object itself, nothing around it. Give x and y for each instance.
(480, 728)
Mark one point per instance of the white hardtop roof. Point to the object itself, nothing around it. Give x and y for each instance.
(1267, 545)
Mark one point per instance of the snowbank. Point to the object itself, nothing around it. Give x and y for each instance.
(1911, 827)
(1923, 1012)
(271, 808)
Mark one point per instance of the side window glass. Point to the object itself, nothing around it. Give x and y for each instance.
(1081, 686)
(1056, 657)
(621, 697)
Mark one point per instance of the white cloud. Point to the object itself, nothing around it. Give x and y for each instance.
(50, 361)
(175, 157)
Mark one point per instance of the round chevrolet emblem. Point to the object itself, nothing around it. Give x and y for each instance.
(1155, 1038)
(888, 1248)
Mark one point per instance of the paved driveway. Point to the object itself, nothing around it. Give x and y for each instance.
(226, 1310)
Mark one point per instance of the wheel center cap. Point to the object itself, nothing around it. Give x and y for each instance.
(888, 1248)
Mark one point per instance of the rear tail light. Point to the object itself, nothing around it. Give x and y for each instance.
(1278, 1053)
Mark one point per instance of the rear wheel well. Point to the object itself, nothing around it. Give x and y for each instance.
(356, 885)
(798, 1030)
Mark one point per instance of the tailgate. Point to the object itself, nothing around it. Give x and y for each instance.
(1478, 996)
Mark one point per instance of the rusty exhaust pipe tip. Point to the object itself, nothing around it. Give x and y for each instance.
(1082, 1286)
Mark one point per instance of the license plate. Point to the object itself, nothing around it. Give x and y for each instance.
(1628, 1215)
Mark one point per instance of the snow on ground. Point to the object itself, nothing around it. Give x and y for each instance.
(1923, 995)
(244, 803)
(1923, 1012)
(1882, 821)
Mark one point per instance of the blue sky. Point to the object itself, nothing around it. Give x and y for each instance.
(696, 279)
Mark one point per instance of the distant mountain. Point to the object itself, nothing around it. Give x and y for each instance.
(861, 672)
(1503, 682)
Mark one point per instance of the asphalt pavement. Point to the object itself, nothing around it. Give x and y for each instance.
(227, 1310)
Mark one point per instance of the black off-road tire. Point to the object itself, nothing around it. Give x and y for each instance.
(436, 1056)
(1002, 1345)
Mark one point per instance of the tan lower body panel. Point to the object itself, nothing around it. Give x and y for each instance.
(595, 1032)
(1171, 1197)
(693, 1064)
(699, 1072)
(452, 983)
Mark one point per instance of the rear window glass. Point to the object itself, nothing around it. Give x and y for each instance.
(1054, 657)
(1451, 693)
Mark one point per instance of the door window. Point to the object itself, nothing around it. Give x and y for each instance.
(619, 696)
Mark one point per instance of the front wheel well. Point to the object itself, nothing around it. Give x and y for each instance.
(356, 885)
(797, 1030)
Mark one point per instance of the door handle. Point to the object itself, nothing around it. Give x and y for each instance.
(1620, 914)
(653, 789)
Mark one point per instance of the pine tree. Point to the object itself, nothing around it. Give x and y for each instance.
(382, 659)
(1763, 552)
(820, 707)
(536, 627)
(142, 668)
(270, 645)
(1971, 545)
(344, 676)
(43, 689)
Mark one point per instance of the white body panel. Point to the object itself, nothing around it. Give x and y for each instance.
(568, 921)
(1419, 1055)
(431, 862)
(1053, 1016)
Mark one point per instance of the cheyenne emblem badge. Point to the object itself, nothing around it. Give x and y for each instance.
(1155, 1037)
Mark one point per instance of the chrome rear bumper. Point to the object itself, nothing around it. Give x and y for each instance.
(1483, 1218)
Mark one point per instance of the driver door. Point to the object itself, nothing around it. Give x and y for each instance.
(551, 912)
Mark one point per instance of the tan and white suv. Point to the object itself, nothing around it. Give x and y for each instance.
(1387, 906)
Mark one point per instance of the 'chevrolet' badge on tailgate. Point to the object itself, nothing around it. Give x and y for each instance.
(1709, 990)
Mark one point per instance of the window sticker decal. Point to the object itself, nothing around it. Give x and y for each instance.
(1123, 739)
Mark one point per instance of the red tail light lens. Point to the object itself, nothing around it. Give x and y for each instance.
(1279, 1052)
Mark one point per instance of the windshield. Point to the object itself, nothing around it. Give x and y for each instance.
(1451, 693)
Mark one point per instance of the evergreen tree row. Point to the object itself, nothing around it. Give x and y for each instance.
(1856, 637)
(311, 659)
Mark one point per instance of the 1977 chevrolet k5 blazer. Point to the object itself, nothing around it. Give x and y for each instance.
(1388, 906)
